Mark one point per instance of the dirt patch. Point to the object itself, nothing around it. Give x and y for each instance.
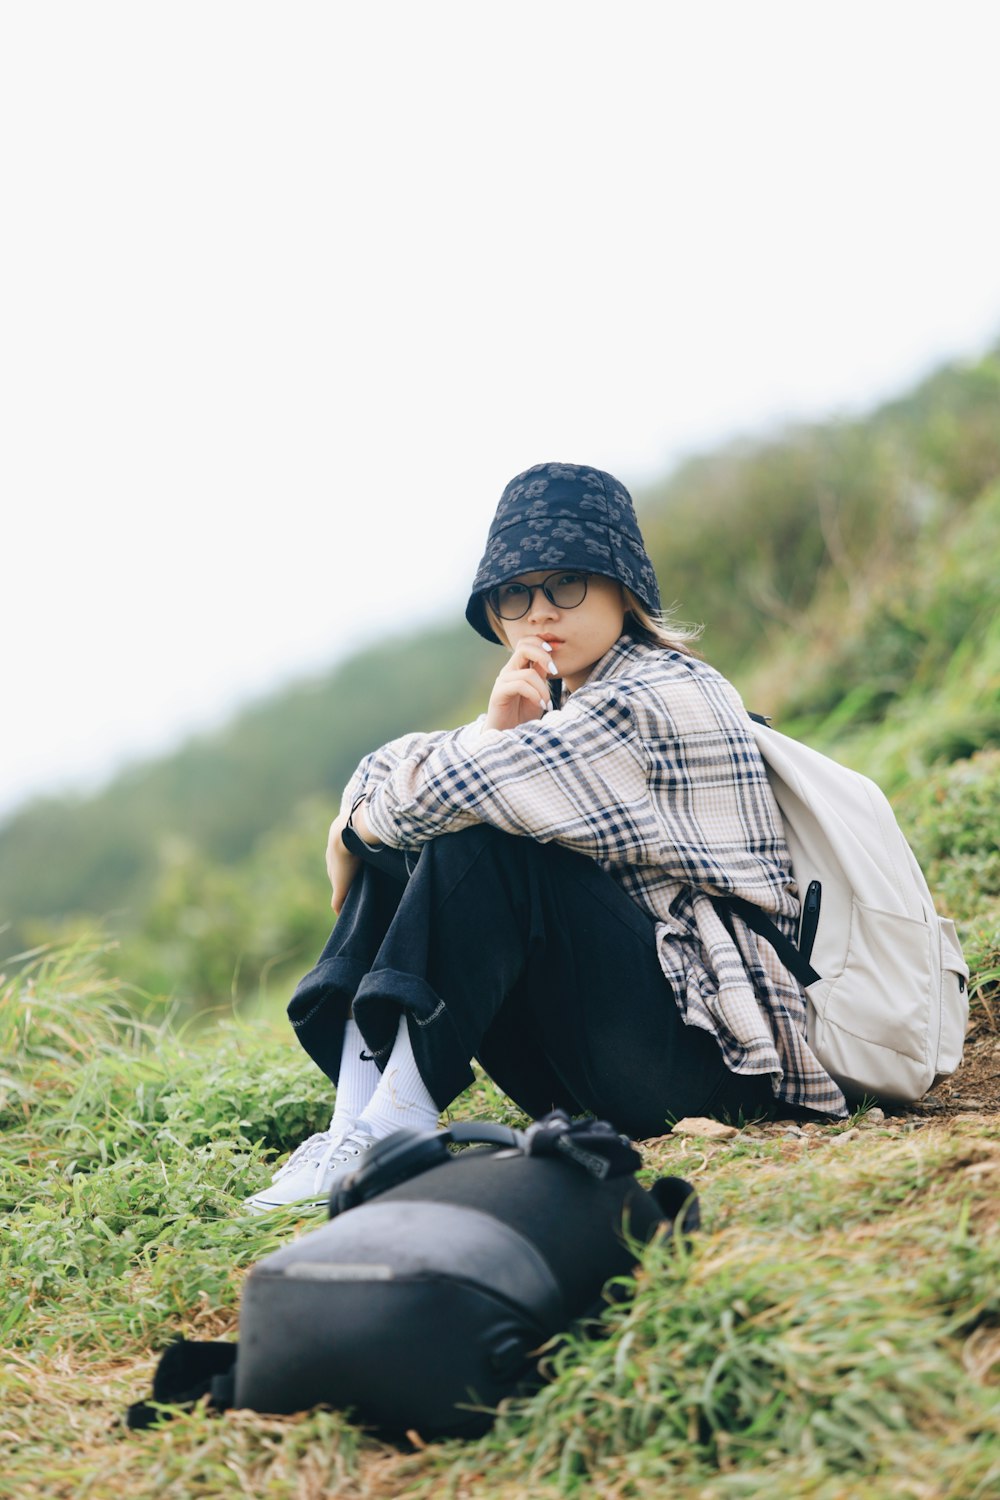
(975, 1088)
(972, 1092)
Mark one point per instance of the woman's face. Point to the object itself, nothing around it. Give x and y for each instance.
(579, 637)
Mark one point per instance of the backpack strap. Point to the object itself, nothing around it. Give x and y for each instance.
(758, 921)
(795, 959)
(189, 1369)
(594, 1145)
(407, 1153)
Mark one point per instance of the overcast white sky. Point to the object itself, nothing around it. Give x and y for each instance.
(290, 291)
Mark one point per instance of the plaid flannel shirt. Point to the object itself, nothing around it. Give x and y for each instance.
(651, 769)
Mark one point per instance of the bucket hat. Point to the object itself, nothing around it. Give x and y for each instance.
(563, 516)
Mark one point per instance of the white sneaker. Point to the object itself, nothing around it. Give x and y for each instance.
(313, 1168)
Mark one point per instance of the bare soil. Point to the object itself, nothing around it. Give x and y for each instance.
(972, 1093)
(975, 1088)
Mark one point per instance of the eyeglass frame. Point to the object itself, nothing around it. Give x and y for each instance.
(493, 594)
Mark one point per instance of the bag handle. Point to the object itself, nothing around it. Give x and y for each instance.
(591, 1144)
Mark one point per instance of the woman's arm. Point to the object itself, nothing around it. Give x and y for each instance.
(578, 776)
(377, 766)
(341, 864)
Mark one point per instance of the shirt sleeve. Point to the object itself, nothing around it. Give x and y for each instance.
(379, 764)
(577, 777)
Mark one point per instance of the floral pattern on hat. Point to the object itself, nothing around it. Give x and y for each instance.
(569, 515)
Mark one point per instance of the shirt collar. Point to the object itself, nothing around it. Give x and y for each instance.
(613, 663)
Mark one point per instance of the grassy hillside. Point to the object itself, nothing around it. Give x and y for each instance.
(772, 543)
(849, 577)
(907, 674)
(224, 799)
(834, 1331)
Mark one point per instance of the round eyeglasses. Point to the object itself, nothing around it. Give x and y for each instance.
(511, 601)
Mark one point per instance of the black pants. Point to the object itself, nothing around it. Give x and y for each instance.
(531, 959)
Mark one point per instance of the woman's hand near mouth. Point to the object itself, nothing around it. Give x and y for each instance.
(521, 691)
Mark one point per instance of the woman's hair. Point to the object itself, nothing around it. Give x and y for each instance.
(657, 629)
(660, 629)
(496, 624)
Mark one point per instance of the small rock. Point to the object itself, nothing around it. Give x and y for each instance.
(655, 1141)
(845, 1135)
(698, 1125)
(874, 1116)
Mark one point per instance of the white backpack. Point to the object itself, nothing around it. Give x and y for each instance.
(884, 975)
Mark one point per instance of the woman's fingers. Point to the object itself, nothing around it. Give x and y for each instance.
(526, 683)
(341, 864)
(334, 846)
(517, 696)
(521, 691)
(534, 652)
(345, 868)
(342, 884)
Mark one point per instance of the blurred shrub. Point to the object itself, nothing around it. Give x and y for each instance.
(214, 932)
(771, 543)
(912, 623)
(952, 819)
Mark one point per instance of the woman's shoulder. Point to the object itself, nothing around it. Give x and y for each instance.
(635, 664)
(654, 678)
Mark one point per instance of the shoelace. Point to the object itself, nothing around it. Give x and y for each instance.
(340, 1150)
(327, 1147)
(315, 1145)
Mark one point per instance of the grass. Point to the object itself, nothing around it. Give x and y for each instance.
(951, 817)
(904, 679)
(834, 1331)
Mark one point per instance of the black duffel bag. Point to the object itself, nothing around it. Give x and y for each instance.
(425, 1299)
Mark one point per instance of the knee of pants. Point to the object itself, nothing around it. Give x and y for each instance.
(468, 843)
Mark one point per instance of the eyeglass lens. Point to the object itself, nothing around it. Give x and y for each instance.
(564, 590)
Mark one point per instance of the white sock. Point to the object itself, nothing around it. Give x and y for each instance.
(359, 1078)
(401, 1101)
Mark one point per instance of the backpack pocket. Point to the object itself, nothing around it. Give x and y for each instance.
(871, 1024)
(954, 1000)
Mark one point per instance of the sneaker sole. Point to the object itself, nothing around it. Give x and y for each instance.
(257, 1206)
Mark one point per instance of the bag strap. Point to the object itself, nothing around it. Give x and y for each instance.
(758, 921)
(189, 1369)
(486, 1133)
(591, 1144)
(794, 958)
(595, 1145)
